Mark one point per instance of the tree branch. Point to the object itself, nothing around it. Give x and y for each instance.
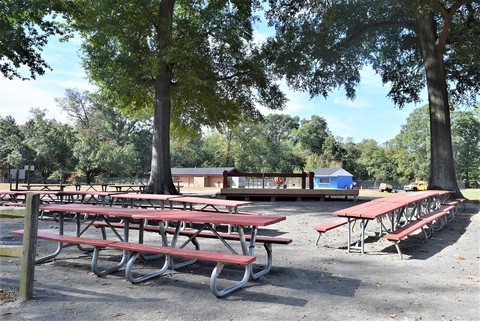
(234, 75)
(447, 14)
(383, 24)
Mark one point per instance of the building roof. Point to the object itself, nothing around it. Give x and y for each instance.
(202, 171)
(331, 172)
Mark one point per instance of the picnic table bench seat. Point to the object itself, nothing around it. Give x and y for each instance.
(169, 252)
(323, 228)
(188, 232)
(459, 202)
(266, 240)
(98, 244)
(427, 219)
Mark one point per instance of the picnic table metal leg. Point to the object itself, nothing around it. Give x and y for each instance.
(364, 224)
(59, 244)
(349, 241)
(143, 278)
(248, 268)
(192, 239)
(213, 281)
(251, 251)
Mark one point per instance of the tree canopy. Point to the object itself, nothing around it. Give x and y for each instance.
(322, 45)
(24, 30)
(186, 63)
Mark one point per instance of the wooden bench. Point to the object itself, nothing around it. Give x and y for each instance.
(266, 240)
(402, 232)
(327, 227)
(461, 204)
(98, 244)
(169, 252)
(439, 213)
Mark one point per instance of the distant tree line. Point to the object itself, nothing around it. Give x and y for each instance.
(102, 144)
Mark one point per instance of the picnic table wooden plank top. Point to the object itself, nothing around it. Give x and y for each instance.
(210, 218)
(385, 205)
(358, 207)
(210, 201)
(89, 192)
(91, 209)
(411, 197)
(373, 210)
(157, 197)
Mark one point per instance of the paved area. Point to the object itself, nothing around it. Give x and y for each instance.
(437, 280)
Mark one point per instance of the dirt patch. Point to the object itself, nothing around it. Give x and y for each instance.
(8, 295)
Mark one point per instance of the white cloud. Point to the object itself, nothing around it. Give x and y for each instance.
(18, 97)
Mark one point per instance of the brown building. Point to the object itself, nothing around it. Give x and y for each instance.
(201, 176)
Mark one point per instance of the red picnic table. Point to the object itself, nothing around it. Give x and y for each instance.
(393, 207)
(150, 198)
(127, 214)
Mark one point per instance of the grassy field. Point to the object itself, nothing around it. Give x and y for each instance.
(471, 194)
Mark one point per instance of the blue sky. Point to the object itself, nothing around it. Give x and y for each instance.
(370, 115)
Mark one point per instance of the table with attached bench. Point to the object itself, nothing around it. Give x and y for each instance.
(88, 197)
(400, 210)
(48, 187)
(103, 186)
(155, 201)
(128, 188)
(189, 202)
(170, 249)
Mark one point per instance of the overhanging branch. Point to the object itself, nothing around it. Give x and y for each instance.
(373, 26)
(447, 14)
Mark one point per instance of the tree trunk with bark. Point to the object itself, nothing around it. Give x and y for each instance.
(442, 169)
(161, 181)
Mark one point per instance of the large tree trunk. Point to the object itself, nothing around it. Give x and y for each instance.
(442, 169)
(161, 181)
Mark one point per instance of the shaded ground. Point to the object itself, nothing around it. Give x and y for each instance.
(437, 280)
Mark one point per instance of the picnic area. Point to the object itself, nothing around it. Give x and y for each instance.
(309, 279)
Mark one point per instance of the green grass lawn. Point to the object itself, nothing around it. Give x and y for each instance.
(472, 194)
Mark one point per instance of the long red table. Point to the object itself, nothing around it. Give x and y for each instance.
(206, 220)
(150, 198)
(103, 212)
(395, 207)
(190, 201)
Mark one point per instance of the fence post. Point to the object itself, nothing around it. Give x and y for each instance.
(225, 180)
(29, 252)
(311, 175)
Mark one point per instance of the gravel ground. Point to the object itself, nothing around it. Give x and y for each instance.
(436, 280)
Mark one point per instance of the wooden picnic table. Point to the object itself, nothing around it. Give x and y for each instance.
(47, 187)
(99, 197)
(102, 212)
(400, 206)
(8, 195)
(190, 201)
(103, 186)
(151, 199)
(127, 188)
(205, 219)
(13, 196)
